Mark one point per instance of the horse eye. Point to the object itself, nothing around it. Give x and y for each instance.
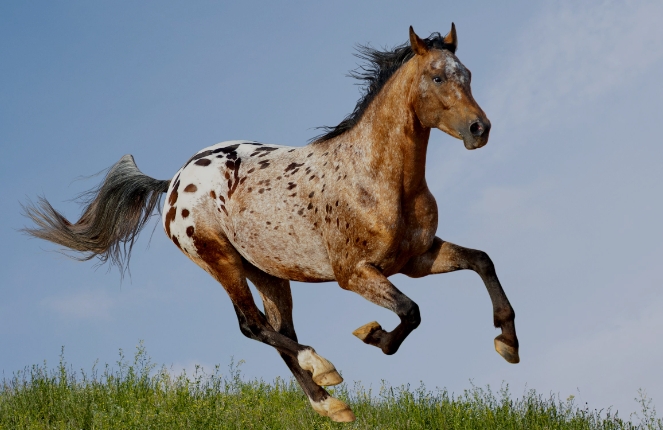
(437, 79)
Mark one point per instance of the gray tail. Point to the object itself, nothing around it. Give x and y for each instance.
(115, 213)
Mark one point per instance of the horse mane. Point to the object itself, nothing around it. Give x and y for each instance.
(372, 76)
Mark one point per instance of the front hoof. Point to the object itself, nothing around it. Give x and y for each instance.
(364, 332)
(328, 378)
(510, 353)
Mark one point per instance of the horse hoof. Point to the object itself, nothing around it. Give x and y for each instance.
(328, 378)
(344, 416)
(335, 409)
(366, 330)
(509, 353)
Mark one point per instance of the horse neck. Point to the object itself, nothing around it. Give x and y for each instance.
(392, 140)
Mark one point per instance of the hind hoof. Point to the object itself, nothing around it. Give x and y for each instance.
(335, 409)
(509, 353)
(366, 330)
(344, 416)
(328, 378)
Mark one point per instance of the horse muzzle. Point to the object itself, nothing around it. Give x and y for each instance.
(476, 134)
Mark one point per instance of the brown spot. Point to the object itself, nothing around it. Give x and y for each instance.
(191, 188)
(264, 149)
(364, 243)
(293, 194)
(212, 194)
(227, 175)
(325, 154)
(203, 162)
(241, 181)
(337, 222)
(310, 206)
(172, 199)
(293, 166)
(294, 171)
(170, 217)
(311, 178)
(230, 164)
(336, 169)
(278, 178)
(291, 185)
(276, 228)
(300, 212)
(222, 199)
(223, 208)
(347, 225)
(189, 231)
(316, 210)
(311, 194)
(269, 223)
(262, 190)
(315, 224)
(249, 189)
(185, 213)
(176, 242)
(199, 156)
(292, 150)
(347, 240)
(251, 170)
(264, 164)
(366, 198)
(309, 155)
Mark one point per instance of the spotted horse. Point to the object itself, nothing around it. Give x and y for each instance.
(352, 206)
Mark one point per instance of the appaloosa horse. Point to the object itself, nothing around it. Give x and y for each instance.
(353, 206)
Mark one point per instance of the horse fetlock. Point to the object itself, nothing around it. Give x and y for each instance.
(335, 409)
(503, 318)
(324, 373)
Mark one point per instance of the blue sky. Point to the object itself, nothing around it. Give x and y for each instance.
(566, 197)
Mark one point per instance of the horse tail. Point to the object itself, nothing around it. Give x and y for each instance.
(115, 213)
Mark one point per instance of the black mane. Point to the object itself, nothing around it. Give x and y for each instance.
(379, 67)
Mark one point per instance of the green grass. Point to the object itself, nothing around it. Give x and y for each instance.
(138, 395)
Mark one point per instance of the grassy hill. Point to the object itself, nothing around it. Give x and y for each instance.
(138, 395)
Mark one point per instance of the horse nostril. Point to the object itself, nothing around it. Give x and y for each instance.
(477, 129)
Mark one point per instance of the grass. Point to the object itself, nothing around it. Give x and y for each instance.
(138, 395)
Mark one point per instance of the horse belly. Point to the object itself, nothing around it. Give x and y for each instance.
(280, 242)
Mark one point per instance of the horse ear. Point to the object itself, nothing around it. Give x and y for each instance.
(418, 46)
(452, 38)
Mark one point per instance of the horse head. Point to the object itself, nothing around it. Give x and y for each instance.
(442, 94)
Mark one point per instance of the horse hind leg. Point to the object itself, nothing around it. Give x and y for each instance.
(277, 300)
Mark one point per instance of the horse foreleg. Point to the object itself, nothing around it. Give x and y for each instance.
(445, 257)
(277, 300)
(367, 281)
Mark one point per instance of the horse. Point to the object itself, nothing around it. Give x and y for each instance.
(352, 206)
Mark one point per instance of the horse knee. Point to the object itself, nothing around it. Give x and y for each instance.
(412, 317)
(482, 262)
